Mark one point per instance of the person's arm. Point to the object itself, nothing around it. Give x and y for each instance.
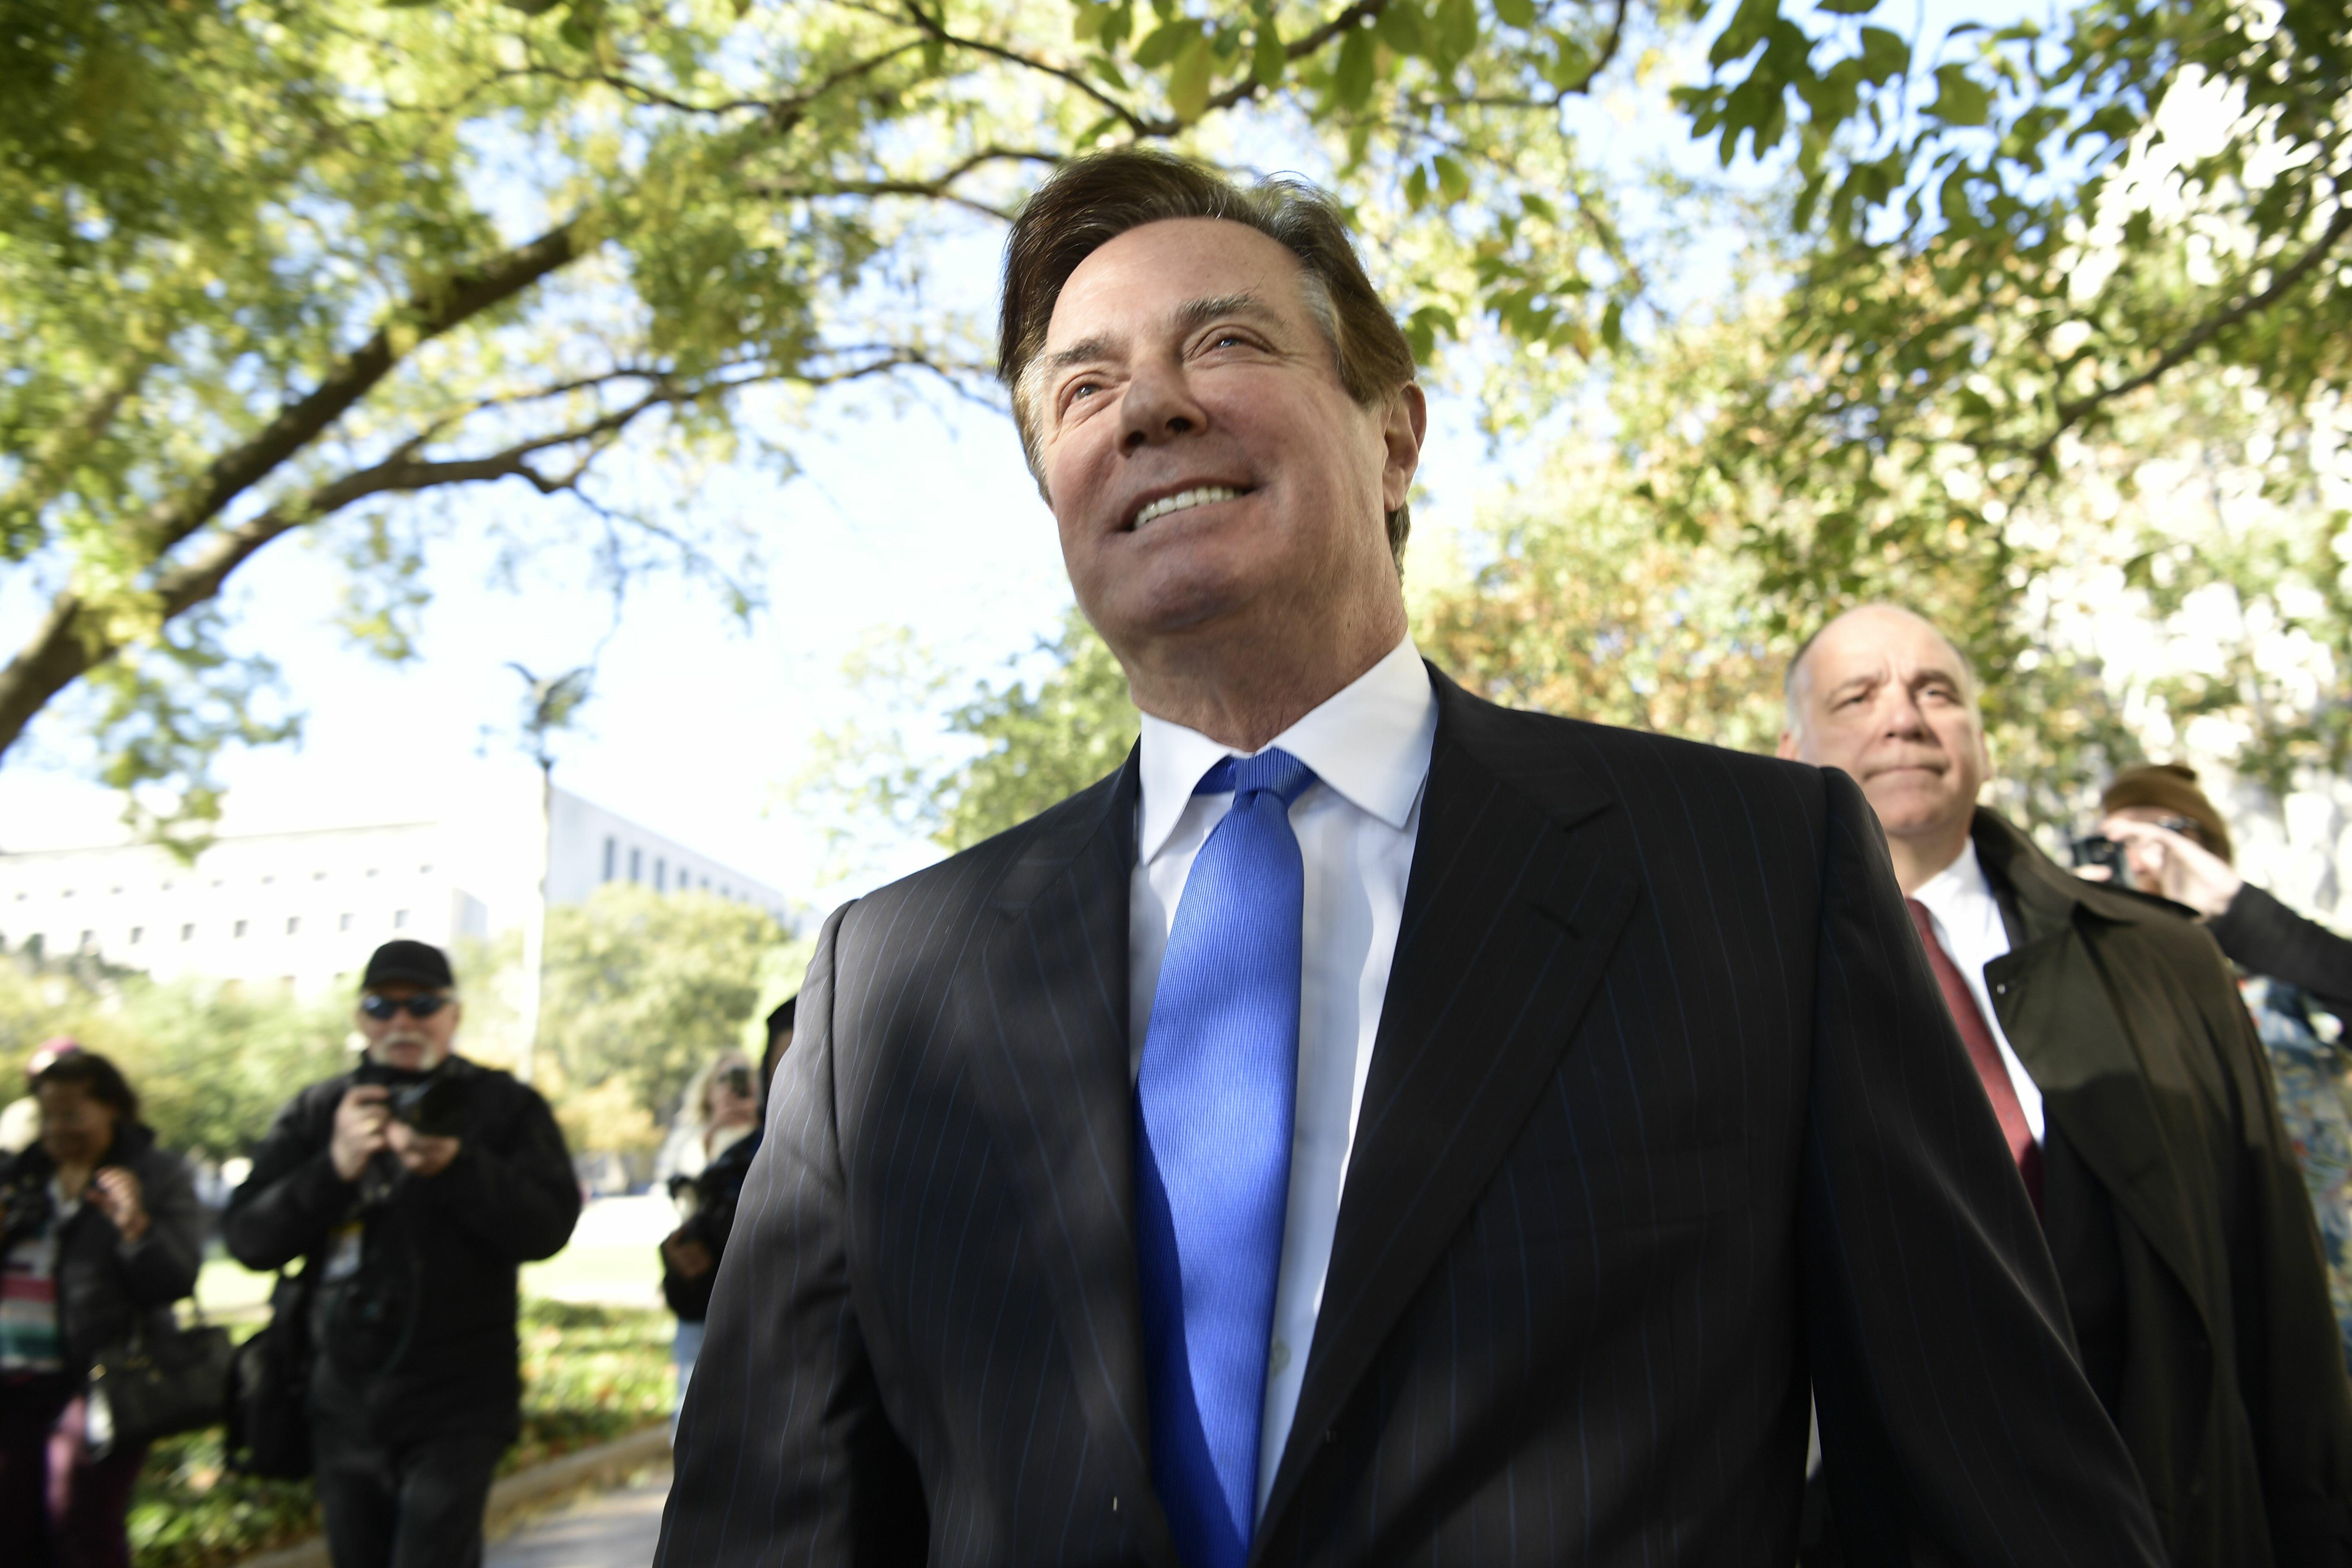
(2268, 938)
(294, 1195)
(160, 1265)
(522, 1200)
(1956, 1425)
(2289, 1348)
(784, 1453)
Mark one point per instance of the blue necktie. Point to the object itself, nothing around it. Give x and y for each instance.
(1213, 1109)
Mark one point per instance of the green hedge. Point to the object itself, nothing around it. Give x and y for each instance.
(590, 1374)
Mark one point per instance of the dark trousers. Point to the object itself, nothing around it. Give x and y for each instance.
(59, 1506)
(413, 1505)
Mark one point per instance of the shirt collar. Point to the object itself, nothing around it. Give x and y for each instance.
(1370, 742)
(1957, 884)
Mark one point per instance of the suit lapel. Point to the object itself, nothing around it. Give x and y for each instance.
(1510, 919)
(1050, 1003)
(2055, 1006)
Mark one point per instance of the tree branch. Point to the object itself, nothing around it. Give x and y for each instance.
(76, 636)
(935, 188)
(426, 315)
(2072, 413)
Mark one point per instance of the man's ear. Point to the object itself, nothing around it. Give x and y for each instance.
(1787, 750)
(1401, 432)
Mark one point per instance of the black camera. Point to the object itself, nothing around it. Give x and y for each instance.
(432, 1106)
(2099, 849)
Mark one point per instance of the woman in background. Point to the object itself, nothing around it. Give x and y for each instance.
(101, 1231)
(721, 1112)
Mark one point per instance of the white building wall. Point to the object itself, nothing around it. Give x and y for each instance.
(303, 910)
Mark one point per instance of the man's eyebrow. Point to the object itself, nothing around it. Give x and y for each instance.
(1194, 314)
(1099, 346)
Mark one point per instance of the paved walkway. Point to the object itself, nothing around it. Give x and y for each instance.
(615, 1529)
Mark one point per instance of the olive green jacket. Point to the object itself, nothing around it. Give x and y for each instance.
(2230, 1389)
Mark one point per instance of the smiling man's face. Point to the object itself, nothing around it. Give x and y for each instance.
(1202, 457)
(1883, 696)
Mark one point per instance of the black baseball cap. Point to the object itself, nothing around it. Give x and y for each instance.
(418, 963)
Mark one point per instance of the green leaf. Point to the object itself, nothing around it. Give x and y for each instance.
(1458, 28)
(1188, 80)
(1612, 325)
(1452, 178)
(1163, 43)
(1959, 100)
(1268, 58)
(1516, 13)
(1416, 187)
(1399, 26)
(1351, 82)
(1885, 56)
(1845, 7)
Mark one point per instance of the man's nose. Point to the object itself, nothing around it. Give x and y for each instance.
(1905, 718)
(1158, 405)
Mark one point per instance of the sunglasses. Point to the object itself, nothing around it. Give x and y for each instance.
(383, 1009)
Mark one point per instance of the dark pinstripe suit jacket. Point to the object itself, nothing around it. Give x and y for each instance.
(1664, 1111)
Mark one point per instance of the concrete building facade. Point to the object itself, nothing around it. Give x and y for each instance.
(302, 908)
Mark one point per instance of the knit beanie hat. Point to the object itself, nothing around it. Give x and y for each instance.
(2169, 786)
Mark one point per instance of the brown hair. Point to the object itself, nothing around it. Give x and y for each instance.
(2170, 787)
(96, 1076)
(1091, 201)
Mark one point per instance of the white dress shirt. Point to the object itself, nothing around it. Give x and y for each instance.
(1966, 918)
(1369, 746)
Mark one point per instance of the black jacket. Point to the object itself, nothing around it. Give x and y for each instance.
(2176, 1214)
(104, 1283)
(423, 1337)
(2267, 938)
(1664, 1115)
(715, 1193)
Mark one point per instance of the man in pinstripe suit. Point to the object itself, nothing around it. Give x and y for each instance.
(1616, 1104)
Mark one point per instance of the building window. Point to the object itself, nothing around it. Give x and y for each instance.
(114, 890)
(238, 929)
(612, 857)
(67, 894)
(167, 884)
(426, 869)
(637, 865)
(136, 933)
(293, 924)
(343, 922)
(318, 876)
(371, 870)
(187, 934)
(399, 920)
(267, 880)
(661, 876)
(88, 940)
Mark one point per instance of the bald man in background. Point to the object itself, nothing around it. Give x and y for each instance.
(2128, 1078)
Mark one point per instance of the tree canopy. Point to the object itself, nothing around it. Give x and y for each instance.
(276, 266)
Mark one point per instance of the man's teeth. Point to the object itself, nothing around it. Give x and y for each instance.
(1201, 497)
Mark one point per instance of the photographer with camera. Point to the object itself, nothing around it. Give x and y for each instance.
(412, 1189)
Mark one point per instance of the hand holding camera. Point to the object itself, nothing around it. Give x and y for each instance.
(416, 1121)
(115, 1193)
(359, 1123)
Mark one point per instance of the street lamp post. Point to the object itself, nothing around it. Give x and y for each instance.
(549, 705)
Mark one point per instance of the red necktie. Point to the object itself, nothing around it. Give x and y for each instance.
(1961, 1003)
